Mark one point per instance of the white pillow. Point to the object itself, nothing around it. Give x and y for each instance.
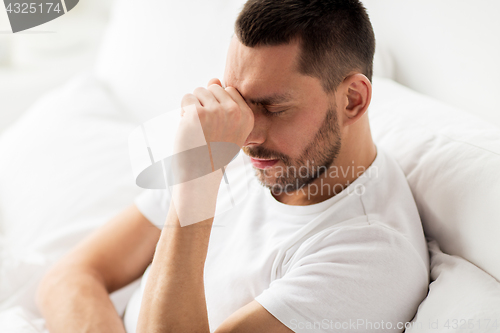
(64, 171)
(451, 160)
(462, 297)
(154, 53)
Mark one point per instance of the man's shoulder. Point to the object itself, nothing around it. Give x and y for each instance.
(387, 197)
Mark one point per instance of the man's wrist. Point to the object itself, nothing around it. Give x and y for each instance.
(195, 201)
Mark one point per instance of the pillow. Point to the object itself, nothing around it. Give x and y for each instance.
(451, 160)
(462, 297)
(64, 171)
(155, 53)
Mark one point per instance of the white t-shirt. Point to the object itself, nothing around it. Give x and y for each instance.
(357, 262)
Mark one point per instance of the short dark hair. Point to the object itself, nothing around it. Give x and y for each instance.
(336, 36)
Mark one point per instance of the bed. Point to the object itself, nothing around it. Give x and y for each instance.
(65, 169)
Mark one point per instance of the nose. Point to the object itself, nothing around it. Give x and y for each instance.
(260, 129)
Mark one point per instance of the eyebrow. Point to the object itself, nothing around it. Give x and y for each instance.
(271, 99)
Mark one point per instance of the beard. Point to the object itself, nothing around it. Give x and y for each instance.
(315, 160)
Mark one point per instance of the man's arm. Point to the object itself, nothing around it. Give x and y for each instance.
(74, 295)
(174, 295)
(174, 298)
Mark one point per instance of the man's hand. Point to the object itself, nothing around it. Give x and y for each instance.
(223, 114)
(214, 126)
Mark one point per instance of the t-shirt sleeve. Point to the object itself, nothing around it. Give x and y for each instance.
(154, 204)
(353, 279)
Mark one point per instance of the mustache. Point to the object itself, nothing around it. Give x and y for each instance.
(264, 153)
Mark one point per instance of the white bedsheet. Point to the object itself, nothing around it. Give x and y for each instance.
(18, 320)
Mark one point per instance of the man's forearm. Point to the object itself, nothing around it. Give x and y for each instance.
(77, 302)
(174, 299)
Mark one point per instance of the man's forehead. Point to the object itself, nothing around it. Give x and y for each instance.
(262, 91)
(262, 74)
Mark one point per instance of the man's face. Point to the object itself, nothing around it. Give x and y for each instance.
(295, 136)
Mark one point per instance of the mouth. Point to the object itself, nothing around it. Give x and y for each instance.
(263, 163)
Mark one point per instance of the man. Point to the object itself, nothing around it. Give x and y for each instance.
(338, 247)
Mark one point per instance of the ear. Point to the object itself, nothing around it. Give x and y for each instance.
(355, 93)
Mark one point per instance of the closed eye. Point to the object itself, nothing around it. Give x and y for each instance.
(273, 113)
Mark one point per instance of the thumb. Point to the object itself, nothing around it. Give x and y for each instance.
(214, 81)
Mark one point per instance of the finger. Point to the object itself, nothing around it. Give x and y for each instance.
(221, 95)
(214, 81)
(205, 97)
(187, 100)
(236, 96)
